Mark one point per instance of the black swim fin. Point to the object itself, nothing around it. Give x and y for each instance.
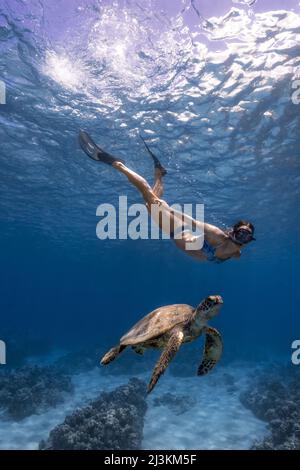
(157, 163)
(93, 151)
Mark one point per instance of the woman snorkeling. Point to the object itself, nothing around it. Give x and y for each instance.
(217, 246)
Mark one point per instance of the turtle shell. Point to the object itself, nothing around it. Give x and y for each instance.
(157, 323)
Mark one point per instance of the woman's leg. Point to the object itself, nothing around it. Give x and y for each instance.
(159, 172)
(98, 154)
(158, 187)
(164, 216)
(171, 222)
(139, 182)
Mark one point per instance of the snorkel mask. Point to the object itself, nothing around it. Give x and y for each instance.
(242, 235)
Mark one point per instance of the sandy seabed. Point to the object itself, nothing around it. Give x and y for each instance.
(215, 420)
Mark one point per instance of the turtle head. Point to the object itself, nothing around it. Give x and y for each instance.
(209, 307)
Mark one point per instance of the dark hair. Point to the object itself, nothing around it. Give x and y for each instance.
(240, 223)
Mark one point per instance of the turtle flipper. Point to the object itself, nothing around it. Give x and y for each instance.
(156, 161)
(212, 351)
(93, 151)
(112, 354)
(167, 355)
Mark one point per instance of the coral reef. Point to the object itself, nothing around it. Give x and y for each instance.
(179, 404)
(31, 390)
(277, 403)
(113, 421)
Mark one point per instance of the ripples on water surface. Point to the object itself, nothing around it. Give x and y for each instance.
(214, 99)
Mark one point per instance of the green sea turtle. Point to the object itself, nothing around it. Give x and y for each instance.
(168, 328)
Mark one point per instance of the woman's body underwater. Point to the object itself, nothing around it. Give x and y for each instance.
(186, 232)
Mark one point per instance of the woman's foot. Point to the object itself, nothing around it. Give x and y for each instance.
(94, 152)
(156, 161)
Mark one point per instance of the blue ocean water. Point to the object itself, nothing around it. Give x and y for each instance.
(215, 104)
